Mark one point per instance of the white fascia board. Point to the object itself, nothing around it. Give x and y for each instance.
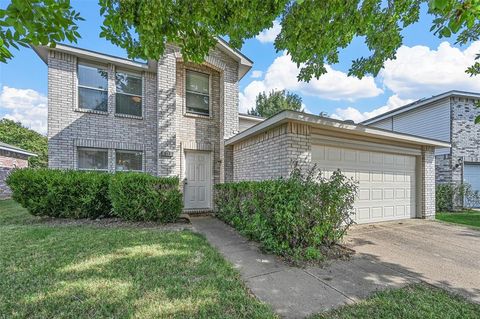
(14, 150)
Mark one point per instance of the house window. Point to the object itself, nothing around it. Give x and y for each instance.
(92, 88)
(128, 161)
(197, 93)
(129, 94)
(93, 159)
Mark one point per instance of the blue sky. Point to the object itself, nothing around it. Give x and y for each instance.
(425, 66)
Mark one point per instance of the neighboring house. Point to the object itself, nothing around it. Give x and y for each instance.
(174, 118)
(447, 117)
(246, 121)
(11, 157)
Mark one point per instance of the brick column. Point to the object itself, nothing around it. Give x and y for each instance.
(166, 114)
(427, 169)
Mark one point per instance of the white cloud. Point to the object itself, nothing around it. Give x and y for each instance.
(421, 72)
(334, 85)
(351, 113)
(26, 106)
(269, 35)
(256, 74)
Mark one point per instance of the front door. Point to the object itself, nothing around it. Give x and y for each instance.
(198, 179)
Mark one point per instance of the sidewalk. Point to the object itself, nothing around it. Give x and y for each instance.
(295, 292)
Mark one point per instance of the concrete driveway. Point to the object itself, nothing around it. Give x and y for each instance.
(445, 255)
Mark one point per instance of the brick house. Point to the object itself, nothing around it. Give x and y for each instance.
(447, 117)
(174, 118)
(11, 157)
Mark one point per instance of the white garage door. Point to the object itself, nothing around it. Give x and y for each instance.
(386, 181)
(471, 175)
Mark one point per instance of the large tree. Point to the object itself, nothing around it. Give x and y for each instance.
(14, 133)
(274, 102)
(313, 31)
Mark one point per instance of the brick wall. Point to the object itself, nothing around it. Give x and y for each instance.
(163, 132)
(271, 154)
(426, 186)
(9, 161)
(70, 127)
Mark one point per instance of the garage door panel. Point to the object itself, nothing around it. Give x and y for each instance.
(386, 181)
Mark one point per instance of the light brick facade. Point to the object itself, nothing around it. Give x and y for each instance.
(9, 161)
(465, 138)
(163, 133)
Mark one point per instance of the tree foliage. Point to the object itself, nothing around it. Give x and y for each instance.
(36, 22)
(14, 133)
(313, 31)
(274, 102)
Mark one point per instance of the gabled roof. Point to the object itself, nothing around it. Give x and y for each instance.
(332, 125)
(14, 149)
(420, 103)
(245, 64)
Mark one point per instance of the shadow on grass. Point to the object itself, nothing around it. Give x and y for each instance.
(78, 272)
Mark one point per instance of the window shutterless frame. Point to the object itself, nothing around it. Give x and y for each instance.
(103, 150)
(117, 151)
(105, 90)
(190, 112)
(141, 96)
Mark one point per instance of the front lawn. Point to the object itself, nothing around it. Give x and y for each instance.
(412, 302)
(51, 271)
(467, 217)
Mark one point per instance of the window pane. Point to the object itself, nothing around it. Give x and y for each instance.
(127, 83)
(92, 99)
(92, 77)
(95, 159)
(128, 161)
(197, 103)
(197, 82)
(128, 104)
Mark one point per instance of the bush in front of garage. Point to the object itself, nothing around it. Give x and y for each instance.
(296, 217)
(84, 194)
(61, 193)
(143, 197)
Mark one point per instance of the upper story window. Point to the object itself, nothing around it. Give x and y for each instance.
(129, 94)
(92, 159)
(197, 93)
(128, 161)
(92, 88)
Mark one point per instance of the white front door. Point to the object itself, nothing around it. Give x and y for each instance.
(198, 179)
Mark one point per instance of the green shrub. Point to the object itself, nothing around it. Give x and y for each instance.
(142, 197)
(61, 193)
(293, 217)
(451, 196)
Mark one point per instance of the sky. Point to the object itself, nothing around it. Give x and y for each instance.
(425, 66)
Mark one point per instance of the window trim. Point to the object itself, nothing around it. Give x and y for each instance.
(209, 95)
(142, 96)
(131, 152)
(92, 149)
(78, 85)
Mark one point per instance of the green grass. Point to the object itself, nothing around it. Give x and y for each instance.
(87, 272)
(412, 302)
(467, 217)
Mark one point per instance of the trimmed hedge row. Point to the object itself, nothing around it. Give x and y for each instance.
(294, 217)
(83, 194)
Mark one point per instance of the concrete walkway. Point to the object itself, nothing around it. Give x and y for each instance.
(294, 292)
